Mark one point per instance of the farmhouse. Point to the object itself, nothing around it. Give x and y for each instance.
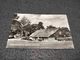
(57, 33)
(43, 34)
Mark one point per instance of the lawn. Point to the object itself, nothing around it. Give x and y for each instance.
(46, 44)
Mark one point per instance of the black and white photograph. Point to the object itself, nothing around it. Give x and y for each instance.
(43, 31)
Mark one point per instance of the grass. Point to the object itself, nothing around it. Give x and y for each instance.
(45, 44)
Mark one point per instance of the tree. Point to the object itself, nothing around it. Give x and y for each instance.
(15, 16)
(15, 28)
(34, 27)
(50, 26)
(40, 25)
(26, 25)
(25, 21)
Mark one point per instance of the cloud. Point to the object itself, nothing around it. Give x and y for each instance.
(58, 20)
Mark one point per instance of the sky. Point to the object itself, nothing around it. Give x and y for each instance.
(57, 20)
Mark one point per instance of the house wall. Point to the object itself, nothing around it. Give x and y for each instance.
(51, 38)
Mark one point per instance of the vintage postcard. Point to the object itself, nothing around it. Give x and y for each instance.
(44, 31)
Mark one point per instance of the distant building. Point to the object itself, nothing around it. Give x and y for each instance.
(63, 32)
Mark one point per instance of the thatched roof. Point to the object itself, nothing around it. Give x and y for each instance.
(43, 33)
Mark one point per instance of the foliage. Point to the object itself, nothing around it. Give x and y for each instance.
(50, 26)
(40, 25)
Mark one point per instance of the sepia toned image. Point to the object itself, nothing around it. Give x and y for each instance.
(45, 31)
